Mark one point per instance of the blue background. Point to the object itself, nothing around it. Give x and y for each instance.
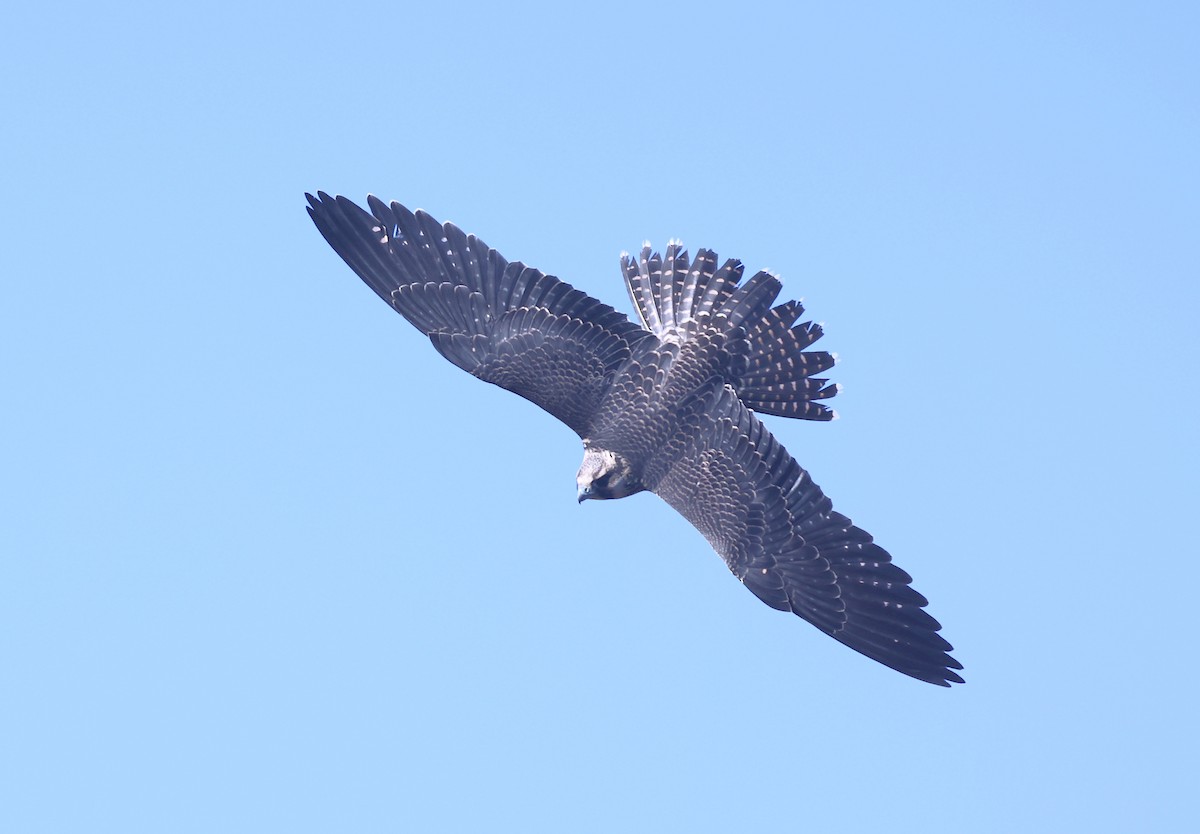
(270, 564)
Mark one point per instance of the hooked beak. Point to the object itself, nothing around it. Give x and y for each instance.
(584, 493)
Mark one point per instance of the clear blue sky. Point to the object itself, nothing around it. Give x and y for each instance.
(268, 563)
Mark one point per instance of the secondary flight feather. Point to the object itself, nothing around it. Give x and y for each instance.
(666, 405)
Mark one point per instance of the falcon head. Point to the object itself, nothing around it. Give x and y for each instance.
(605, 474)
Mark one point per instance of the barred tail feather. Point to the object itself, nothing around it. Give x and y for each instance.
(751, 300)
(675, 293)
(780, 377)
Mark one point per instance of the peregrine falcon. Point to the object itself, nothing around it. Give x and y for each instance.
(668, 405)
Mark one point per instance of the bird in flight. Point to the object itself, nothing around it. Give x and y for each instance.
(667, 405)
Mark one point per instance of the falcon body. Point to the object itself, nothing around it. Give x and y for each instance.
(666, 405)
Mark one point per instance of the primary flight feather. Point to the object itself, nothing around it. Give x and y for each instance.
(666, 406)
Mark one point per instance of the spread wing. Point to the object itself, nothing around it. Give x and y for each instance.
(779, 534)
(503, 322)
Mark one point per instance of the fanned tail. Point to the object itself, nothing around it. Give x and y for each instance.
(676, 297)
